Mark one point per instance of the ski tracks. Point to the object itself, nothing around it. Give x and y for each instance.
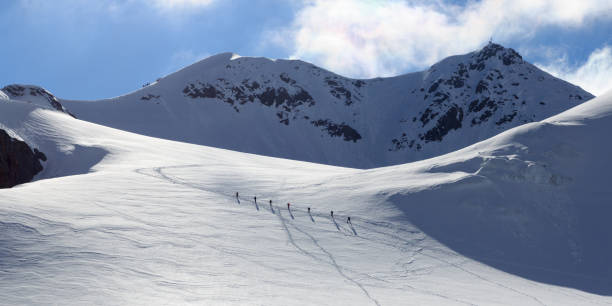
(327, 253)
(392, 240)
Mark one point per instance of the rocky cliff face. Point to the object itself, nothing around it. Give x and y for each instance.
(18, 163)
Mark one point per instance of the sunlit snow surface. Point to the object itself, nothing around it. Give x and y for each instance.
(128, 219)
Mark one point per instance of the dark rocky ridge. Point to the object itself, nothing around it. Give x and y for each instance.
(18, 163)
(452, 103)
(288, 100)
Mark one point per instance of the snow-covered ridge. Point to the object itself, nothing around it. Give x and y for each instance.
(32, 94)
(293, 109)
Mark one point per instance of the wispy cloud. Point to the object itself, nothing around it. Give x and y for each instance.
(594, 75)
(364, 38)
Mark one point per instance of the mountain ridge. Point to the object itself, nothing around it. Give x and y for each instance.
(294, 109)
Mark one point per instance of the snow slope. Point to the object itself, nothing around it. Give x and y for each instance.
(533, 201)
(295, 110)
(129, 219)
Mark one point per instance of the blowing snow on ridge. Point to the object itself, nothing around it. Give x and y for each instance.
(292, 109)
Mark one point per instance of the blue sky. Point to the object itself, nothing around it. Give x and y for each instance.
(97, 49)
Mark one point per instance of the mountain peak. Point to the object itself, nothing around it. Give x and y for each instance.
(507, 56)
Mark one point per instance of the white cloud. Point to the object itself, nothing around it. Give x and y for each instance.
(594, 75)
(367, 38)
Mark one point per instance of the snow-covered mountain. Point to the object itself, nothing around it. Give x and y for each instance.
(293, 109)
(520, 219)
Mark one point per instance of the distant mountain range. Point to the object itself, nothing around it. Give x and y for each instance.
(293, 109)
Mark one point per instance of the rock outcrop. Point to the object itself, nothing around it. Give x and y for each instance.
(34, 94)
(18, 163)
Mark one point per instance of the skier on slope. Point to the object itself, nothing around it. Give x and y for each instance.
(288, 206)
(236, 194)
(348, 220)
(309, 210)
(332, 214)
(255, 199)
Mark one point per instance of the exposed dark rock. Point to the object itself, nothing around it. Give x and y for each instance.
(482, 86)
(483, 117)
(252, 86)
(455, 81)
(440, 97)
(18, 163)
(477, 105)
(447, 122)
(336, 130)
(434, 86)
(462, 70)
(401, 143)
(427, 116)
(340, 92)
(358, 83)
(250, 92)
(506, 56)
(14, 90)
(506, 118)
(479, 66)
(285, 77)
(204, 91)
(489, 51)
(149, 97)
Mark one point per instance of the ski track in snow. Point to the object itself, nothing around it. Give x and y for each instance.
(392, 240)
(331, 257)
